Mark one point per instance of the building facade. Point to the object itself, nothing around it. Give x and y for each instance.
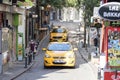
(12, 33)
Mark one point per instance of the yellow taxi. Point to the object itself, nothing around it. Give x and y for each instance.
(58, 34)
(59, 54)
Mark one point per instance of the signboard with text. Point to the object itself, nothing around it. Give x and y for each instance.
(6, 2)
(112, 76)
(113, 47)
(20, 47)
(110, 11)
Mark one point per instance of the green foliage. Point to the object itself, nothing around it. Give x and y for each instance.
(60, 3)
(71, 3)
(89, 6)
(54, 3)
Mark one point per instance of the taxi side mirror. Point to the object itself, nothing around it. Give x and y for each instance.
(44, 49)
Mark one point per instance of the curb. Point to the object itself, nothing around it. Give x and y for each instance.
(41, 42)
(22, 72)
(31, 64)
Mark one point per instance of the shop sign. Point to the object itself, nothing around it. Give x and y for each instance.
(113, 47)
(20, 47)
(17, 10)
(111, 76)
(5, 8)
(7, 2)
(110, 11)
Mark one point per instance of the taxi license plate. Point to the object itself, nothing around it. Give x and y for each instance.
(59, 61)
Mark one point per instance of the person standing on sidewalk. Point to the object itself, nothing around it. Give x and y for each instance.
(32, 48)
(96, 44)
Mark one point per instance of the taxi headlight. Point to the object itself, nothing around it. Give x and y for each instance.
(64, 36)
(47, 55)
(71, 56)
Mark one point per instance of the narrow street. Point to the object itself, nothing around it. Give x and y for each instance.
(82, 71)
(59, 39)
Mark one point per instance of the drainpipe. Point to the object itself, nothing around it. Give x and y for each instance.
(1, 50)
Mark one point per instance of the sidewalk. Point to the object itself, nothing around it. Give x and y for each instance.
(18, 67)
(16, 70)
(86, 55)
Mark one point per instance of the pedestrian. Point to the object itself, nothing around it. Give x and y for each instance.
(32, 48)
(32, 45)
(95, 42)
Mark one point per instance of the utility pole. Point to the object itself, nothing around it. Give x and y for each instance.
(1, 63)
(1, 67)
(84, 31)
(38, 17)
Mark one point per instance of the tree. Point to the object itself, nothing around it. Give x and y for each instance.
(87, 4)
(60, 3)
(54, 3)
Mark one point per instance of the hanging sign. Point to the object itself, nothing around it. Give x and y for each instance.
(110, 11)
(111, 76)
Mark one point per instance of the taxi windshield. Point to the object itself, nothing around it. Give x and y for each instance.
(59, 47)
(59, 30)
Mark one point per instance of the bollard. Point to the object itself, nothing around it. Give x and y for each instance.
(29, 59)
(34, 52)
(30, 56)
(25, 60)
(33, 55)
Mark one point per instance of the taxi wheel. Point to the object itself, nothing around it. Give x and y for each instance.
(73, 67)
(67, 39)
(45, 67)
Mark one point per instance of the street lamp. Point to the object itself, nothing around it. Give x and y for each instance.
(41, 19)
(34, 17)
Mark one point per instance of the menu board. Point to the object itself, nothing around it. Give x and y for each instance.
(20, 47)
(114, 47)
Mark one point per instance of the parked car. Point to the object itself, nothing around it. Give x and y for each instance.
(58, 34)
(59, 54)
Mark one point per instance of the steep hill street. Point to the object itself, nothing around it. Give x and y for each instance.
(84, 70)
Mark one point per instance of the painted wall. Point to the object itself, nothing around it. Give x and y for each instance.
(71, 14)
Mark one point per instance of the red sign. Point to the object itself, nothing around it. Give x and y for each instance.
(105, 1)
(113, 46)
(112, 76)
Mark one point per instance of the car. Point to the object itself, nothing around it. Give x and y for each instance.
(59, 54)
(58, 33)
